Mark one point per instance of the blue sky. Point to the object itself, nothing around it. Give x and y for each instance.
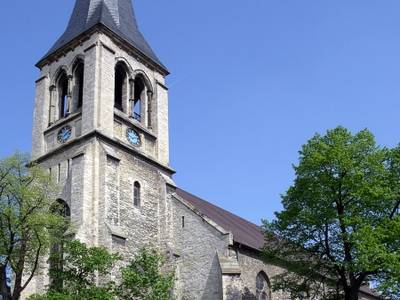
(251, 82)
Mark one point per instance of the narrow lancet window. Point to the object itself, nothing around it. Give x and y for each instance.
(78, 87)
(136, 194)
(138, 98)
(63, 95)
(120, 91)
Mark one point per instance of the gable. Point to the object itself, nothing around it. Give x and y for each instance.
(244, 232)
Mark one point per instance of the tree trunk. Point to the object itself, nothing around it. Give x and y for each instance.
(17, 287)
(5, 290)
(351, 294)
(16, 295)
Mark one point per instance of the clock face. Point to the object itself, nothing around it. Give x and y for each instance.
(133, 137)
(64, 134)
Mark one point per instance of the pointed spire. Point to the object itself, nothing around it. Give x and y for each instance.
(116, 15)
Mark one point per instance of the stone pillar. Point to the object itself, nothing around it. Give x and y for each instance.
(52, 108)
(231, 281)
(231, 287)
(69, 94)
(149, 108)
(131, 96)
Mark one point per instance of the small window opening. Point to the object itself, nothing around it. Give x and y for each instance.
(59, 173)
(79, 82)
(117, 240)
(120, 86)
(183, 221)
(63, 95)
(136, 194)
(137, 100)
(68, 168)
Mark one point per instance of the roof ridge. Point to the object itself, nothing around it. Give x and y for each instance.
(212, 204)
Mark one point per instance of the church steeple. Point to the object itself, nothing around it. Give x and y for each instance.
(115, 15)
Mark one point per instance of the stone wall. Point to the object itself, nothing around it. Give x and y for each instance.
(251, 265)
(197, 243)
(139, 225)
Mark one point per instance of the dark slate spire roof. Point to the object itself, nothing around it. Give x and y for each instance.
(116, 15)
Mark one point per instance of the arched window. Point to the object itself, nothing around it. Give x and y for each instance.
(78, 84)
(60, 208)
(62, 89)
(121, 86)
(262, 286)
(136, 194)
(140, 94)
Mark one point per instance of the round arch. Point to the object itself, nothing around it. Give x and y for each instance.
(77, 68)
(123, 61)
(122, 88)
(61, 207)
(146, 79)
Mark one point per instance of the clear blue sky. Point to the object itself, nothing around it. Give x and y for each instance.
(251, 82)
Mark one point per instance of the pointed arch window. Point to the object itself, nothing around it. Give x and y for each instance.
(62, 89)
(136, 194)
(139, 96)
(262, 287)
(120, 87)
(78, 84)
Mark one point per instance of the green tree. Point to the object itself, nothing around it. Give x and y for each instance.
(26, 223)
(142, 278)
(85, 275)
(82, 275)
(340, 226)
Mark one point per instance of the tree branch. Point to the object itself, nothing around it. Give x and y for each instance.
(395, 210)
(36, 263)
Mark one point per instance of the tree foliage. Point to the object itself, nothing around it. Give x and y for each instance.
(85, 274)
(82, 274)
(142, 278)
(27, 223)
(340, 226)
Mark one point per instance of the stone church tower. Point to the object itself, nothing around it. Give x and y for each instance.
(101, 127)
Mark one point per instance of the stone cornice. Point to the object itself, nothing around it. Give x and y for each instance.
(129, 121)
(61, 122)
(101, 136)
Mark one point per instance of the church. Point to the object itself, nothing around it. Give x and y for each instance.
(101, 129)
